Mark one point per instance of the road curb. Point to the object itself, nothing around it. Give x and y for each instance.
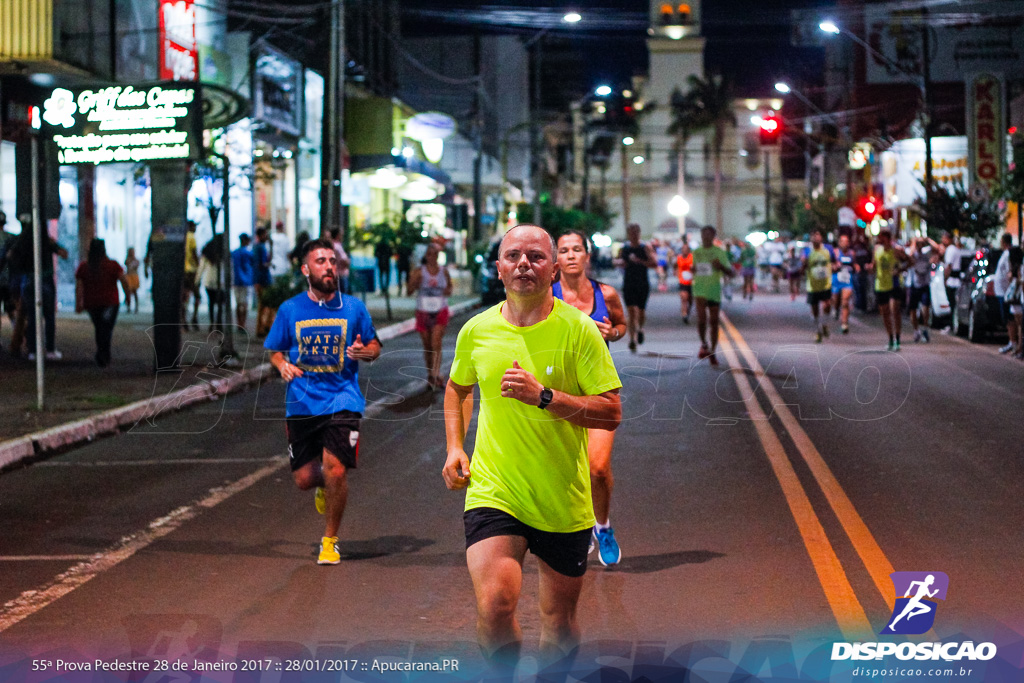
(62, 437)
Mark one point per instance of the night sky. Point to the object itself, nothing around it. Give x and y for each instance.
(748, 40)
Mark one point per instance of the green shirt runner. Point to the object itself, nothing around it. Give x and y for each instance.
(707, 281)
(819, 270)
(885, 269)
(538, 473)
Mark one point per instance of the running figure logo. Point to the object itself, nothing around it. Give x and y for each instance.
(914, 612)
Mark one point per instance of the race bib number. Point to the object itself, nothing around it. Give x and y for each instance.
(431, 304)
(819, 272)
(844, 277)
(687, 275)
(705, 270)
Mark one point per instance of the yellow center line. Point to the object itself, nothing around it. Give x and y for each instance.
(864, 543)
(849, 614)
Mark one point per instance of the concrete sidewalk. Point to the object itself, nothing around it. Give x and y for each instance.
(83, 401)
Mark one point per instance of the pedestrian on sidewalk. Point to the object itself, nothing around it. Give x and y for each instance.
(23, 264)
(344, 262)
(316, 343)
(280, 249)
(601, 302)
(1012, 298)
(431, 283)
(96, 293)
(1000, 281)
(189, 286)
(208, 277)
(528, 489)
(262, 280)
(244, 275)
(131, 273)
(7, 297)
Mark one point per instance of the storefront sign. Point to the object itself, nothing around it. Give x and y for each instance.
(277, 90)
(179, 59)
(903, 168)
(125, 123)
(986, 130)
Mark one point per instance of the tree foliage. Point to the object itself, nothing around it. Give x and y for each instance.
(557, 220)
(958, 210)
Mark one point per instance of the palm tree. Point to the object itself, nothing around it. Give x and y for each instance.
(712, 108)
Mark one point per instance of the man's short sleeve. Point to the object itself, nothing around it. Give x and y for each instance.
(364, 326)
(279, 337)
(594, 367)
(463, 372)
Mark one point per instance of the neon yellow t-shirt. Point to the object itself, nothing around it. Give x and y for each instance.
(525, 461)
(819, 270)
(885, 269)
(707, 280)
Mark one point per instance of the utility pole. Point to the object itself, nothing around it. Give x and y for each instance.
(333, 124)
(767, 189)
(926, 92)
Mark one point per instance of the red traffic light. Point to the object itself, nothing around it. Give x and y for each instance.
(867, 208)
(770, 129)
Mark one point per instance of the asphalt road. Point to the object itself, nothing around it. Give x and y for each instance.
(761, 507)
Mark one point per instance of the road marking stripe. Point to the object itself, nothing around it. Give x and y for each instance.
(864, 542)
(849, 613)
(31, 601)
(44, 558)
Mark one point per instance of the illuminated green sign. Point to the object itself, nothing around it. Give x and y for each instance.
(125, 123)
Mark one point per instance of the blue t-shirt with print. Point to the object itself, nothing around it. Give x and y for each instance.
(314, 338)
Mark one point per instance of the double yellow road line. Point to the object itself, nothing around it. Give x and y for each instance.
(846, 607)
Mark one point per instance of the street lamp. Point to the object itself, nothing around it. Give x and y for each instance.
(628, 140)
(572, 17)
(921, 79)
(679, 207)
(603, 90)
(782, 88)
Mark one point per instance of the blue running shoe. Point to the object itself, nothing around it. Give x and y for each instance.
(608, 551)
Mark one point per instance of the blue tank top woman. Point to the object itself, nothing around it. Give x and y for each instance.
(600, 311)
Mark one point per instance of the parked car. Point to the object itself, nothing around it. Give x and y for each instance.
(977, 313)
(492, 289)
(944, 310)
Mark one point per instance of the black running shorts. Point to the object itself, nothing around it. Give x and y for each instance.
(636, 293)
(894, 294)
(565, 553)
(919, 296)
(309, 435)
(819, 297)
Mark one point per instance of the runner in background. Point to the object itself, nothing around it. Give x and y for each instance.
(817, 266)
(842, 282)
(601, 302)
(748, 268)
(684, 269)
(710, 263)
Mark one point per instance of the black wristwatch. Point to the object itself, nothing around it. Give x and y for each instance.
(546, 396)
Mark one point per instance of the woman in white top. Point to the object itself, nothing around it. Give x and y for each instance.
(432, 285)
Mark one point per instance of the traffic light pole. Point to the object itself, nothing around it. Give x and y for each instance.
(625, 184)
(767, 189)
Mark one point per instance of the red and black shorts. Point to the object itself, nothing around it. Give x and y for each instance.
(310, 435)
(428, 321)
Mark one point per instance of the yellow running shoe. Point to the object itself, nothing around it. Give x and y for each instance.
(320, 500)
(329, 551)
